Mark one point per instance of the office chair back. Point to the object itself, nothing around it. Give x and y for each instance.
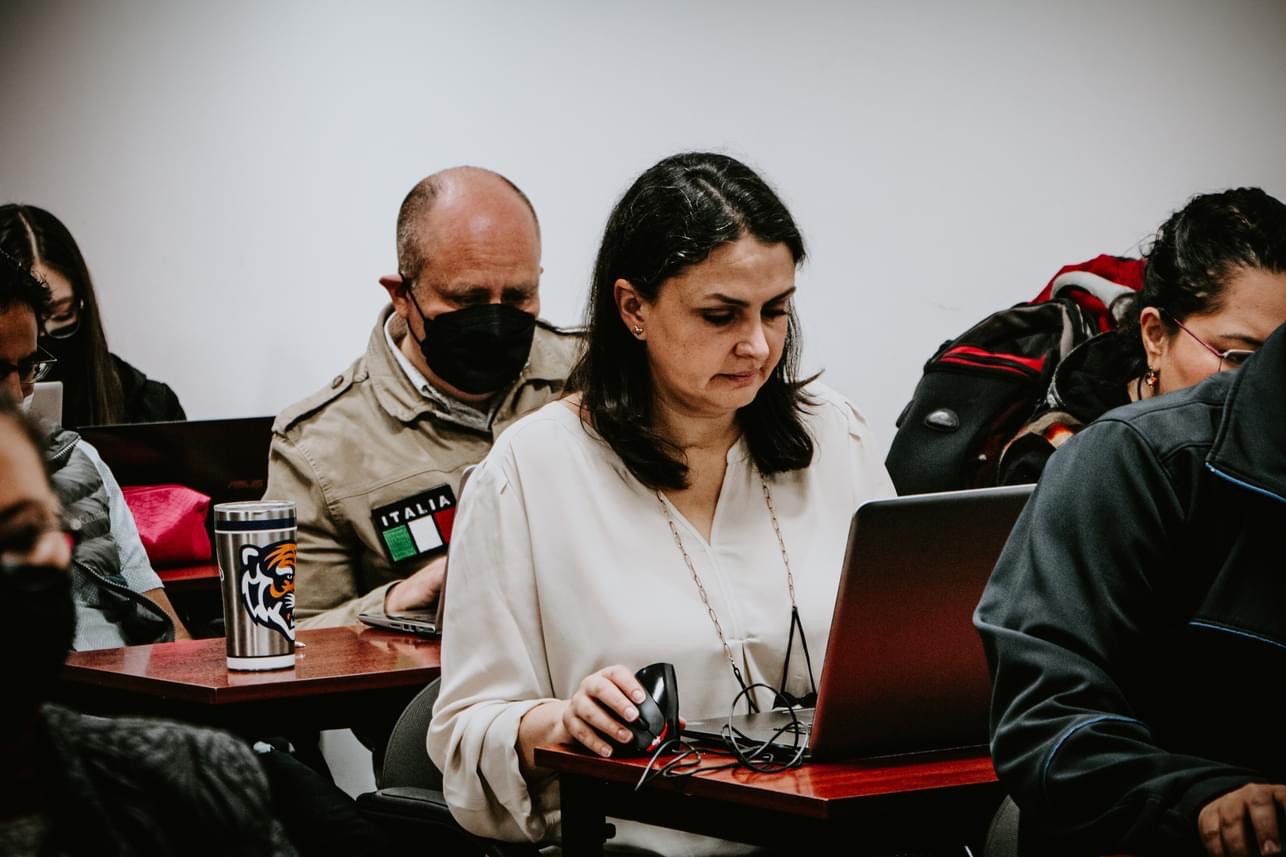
(406, 758)
(409, 805)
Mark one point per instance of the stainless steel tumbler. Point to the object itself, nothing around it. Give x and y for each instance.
(255, 544)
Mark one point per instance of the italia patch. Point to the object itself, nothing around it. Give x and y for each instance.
(416, 526)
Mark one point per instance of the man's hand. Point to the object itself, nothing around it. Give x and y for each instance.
(1225, 821)
(160, 599)
(419, 590)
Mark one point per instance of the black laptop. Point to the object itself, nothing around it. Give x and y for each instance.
(226, 459)
(904, 669)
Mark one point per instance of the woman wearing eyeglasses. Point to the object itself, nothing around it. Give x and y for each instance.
(98, 386)
(1211, 287)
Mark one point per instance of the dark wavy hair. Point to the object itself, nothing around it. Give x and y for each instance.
(1197, 251)
(672, 217)
(33, 235)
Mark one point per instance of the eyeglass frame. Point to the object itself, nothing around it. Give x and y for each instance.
(1243, 354)
(38, 366)
(69, 527)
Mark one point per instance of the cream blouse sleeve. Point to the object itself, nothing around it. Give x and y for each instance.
(494, 667)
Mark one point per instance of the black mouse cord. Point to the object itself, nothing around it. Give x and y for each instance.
(686, 763)
(760, 756)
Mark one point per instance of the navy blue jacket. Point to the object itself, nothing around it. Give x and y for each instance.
(1136, 621)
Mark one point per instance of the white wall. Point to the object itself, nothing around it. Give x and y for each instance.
(232, 170)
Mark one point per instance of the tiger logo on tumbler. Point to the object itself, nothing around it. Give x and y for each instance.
(268, 585)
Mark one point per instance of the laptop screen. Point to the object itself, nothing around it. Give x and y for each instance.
(904, 670)
(226, 458)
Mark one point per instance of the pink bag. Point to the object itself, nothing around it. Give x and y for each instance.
(171, 523)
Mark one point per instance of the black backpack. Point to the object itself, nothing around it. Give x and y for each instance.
(979, 389)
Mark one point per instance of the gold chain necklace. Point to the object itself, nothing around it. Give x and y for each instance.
(696, 578)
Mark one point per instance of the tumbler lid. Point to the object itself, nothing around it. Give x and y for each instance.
(277, 511)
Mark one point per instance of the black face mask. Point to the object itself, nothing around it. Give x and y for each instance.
(67, 350)
(39, 625)
(478, 349)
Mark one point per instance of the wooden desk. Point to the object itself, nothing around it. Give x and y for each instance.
(342, 677)
(878, 805)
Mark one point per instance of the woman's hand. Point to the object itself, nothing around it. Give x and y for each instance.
(585, 717)
(1224, 821)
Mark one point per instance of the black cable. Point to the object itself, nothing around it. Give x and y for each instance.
(762, 756)
(759, 756)
(687, 763)
(648, 774)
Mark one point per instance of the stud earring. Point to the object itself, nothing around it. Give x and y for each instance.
(638, 331)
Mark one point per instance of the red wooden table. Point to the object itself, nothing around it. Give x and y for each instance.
(201, 577)
(897, 803)
(342, 677)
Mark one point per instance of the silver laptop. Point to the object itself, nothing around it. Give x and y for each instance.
(47, 403)
(426, 623)
(904, 670)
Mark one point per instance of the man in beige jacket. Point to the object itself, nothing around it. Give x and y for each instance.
(374, 460)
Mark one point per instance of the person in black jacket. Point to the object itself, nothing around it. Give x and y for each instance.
(1136, 626)
(75, 784)
(99, 387)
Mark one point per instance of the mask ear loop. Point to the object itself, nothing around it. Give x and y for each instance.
(809, 699)
(408, 291)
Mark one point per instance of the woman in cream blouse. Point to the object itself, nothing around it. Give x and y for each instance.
(692, 465)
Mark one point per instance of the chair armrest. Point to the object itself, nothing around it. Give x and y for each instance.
(412, 802)
(411, 808)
